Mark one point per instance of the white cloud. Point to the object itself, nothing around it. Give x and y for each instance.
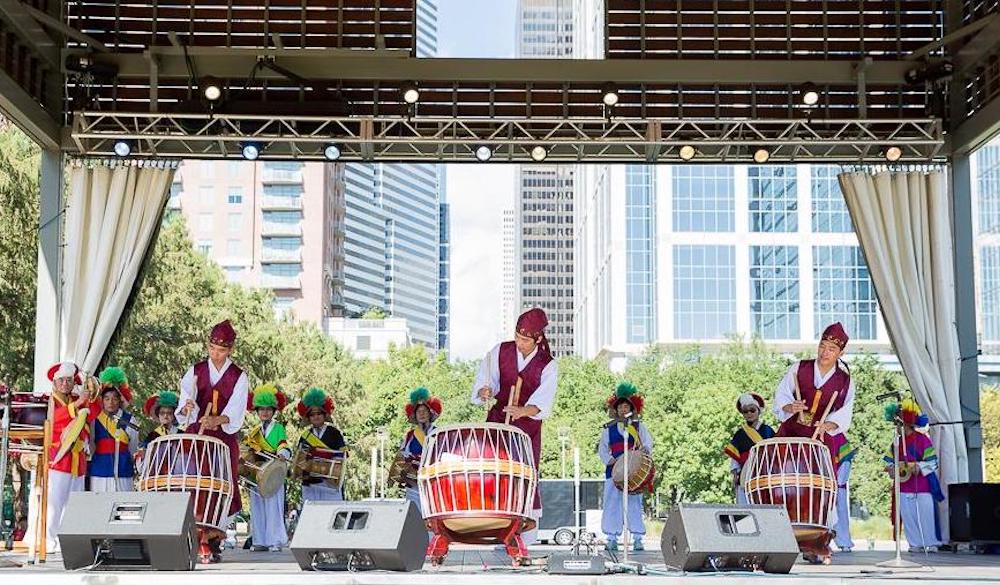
(478, 193)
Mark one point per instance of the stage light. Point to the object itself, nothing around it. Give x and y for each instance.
(761, 155)
(211, 89)
(411, 94)
(893, 153)
(539, 153)
(484, 153)
(251, 150)
(687, 152)
(809, 93)
(610, 97)
(331, 152)
(123, 147)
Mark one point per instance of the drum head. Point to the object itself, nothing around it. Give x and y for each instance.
(271, 477)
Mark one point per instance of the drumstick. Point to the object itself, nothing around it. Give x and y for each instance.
(515, 395)
(822, 420)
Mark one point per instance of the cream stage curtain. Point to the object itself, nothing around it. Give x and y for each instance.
(903, 222)
(113, 208)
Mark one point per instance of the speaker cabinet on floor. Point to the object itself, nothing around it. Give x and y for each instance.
(369, 534)
(129, 530)
(709, 537)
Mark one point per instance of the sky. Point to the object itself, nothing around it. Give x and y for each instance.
(478, 193)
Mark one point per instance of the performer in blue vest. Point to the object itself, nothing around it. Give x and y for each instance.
(422, 410)
(624, 431)
(116, 437)
(752, 432)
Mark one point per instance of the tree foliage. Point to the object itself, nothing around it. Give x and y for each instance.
(19, 183)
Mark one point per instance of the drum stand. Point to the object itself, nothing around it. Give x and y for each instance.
(899, 562)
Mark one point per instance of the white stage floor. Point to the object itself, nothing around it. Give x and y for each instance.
(467, 565)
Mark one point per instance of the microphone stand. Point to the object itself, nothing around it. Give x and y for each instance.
(898, 562)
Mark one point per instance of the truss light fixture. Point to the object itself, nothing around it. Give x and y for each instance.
(610, 95)
(484, 153)
(761, 155)
(411, 94)
(893, 153)
(331, 152)
(809, 93)
(123, 147)
(687, 152)
(539, 153)
(211, 89)
(251, 150)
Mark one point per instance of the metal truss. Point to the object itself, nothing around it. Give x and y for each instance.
(574, 140)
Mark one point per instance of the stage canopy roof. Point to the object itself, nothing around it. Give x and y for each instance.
(723, 76)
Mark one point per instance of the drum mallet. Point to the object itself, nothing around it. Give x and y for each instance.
(818, 432)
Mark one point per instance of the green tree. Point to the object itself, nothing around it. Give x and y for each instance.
(989, 405)
(19, 184)
(375, 313)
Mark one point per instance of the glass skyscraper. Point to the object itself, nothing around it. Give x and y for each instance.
(677, 254)
(393, 244)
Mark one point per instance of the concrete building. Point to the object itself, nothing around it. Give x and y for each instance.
(369, 338)
(544, 212)
(274, 225)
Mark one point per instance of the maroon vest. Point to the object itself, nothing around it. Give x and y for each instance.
(219, 395)
(816, 399)
(531, 377)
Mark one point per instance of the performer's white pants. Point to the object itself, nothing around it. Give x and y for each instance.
(413, 494)
(320, 492)
(61, 484)
(918, 512)
(110, 484)
(843, 523)
(267, 519)
(611, 518)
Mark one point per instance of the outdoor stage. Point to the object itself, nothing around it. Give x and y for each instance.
(469, 565)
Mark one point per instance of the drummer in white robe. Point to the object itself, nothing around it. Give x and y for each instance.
(624, 406)
(527, 358)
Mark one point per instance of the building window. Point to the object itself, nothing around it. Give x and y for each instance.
(205, 193)
(364, 342)
(283, 216)
(283, 165)
(988, 181)
(234, 167)
(205, 222)
(843, 291)
(704, 291)
(235, 222)
(282, 306)
(774, 291)
(989, 274)
(234, 247)
(281, 269)
(208, 169)
(205, 247)
(235, 195)
(640, 255)
(774, 201)
(289, 243)
(234, 272)
(704, 199)
(829, 211)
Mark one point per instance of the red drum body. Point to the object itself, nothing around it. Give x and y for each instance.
(796, 473)
(197, 464)
(477, 484)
